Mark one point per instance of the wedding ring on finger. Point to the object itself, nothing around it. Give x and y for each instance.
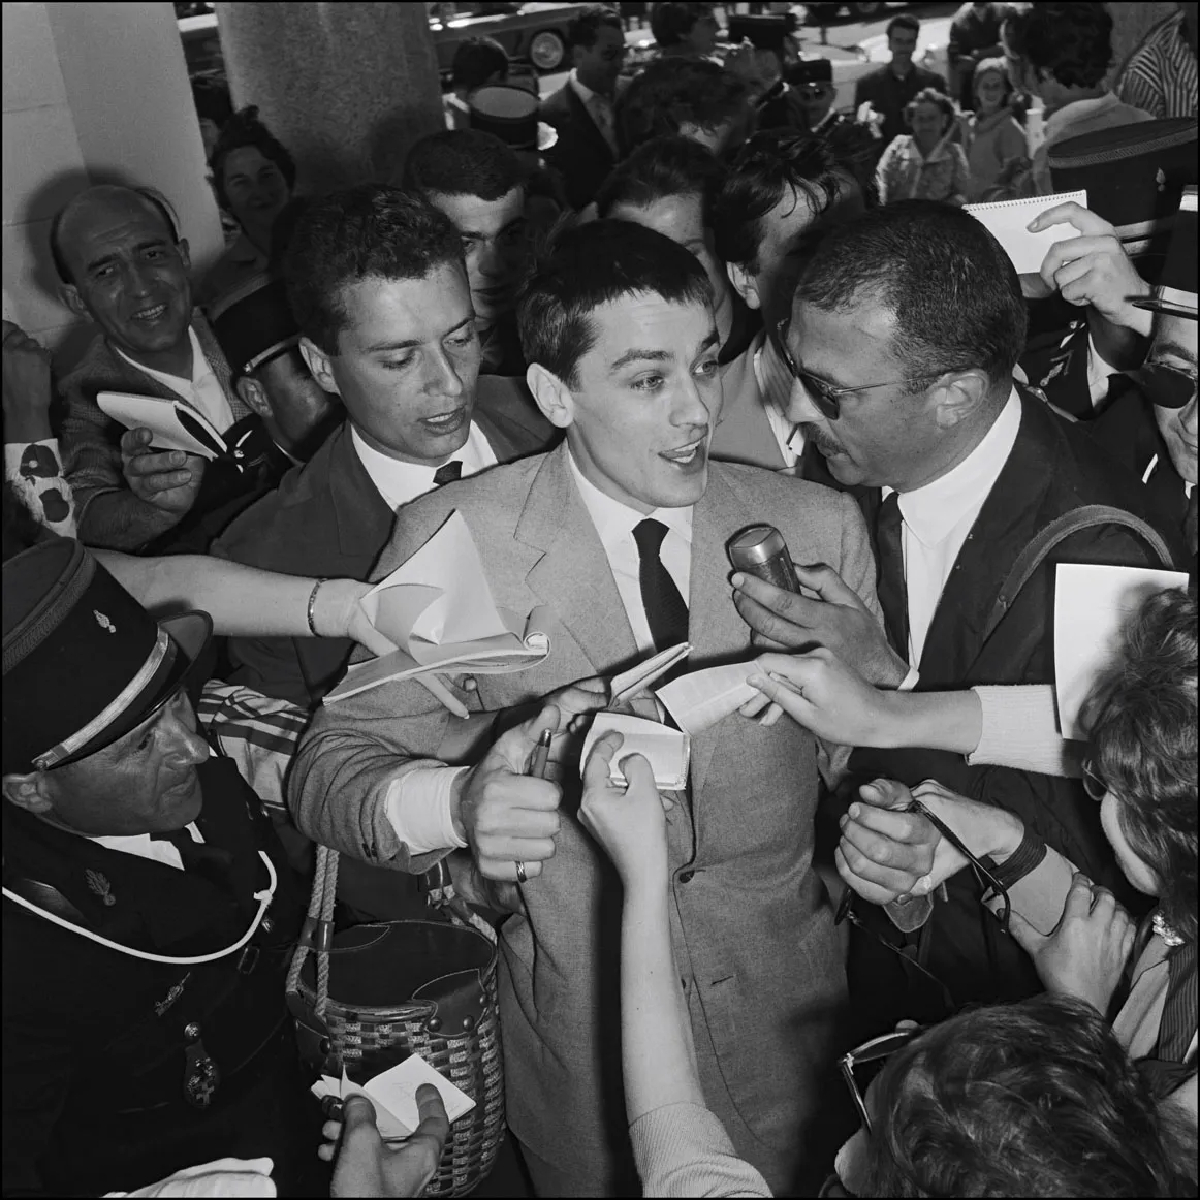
(522, 877)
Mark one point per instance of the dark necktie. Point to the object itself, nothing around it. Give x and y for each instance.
(666, 612)
(447, 472)
(199, 858)
(890, 584)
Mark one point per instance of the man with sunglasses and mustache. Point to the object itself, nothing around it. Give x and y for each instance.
(905, 328)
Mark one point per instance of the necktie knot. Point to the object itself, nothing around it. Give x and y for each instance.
(447, 472)
(648, 535)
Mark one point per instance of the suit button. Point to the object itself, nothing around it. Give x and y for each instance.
(191, 1031)
(686, 876)
(268, 926)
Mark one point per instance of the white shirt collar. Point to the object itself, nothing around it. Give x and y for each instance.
(933, 511)
(144, 846)
(399, 482)
(177, 383)
(584, 92)
(615, 521)
(775, 387)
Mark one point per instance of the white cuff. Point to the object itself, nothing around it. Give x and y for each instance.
(418, 807)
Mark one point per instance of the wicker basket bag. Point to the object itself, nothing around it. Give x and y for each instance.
(374, 994)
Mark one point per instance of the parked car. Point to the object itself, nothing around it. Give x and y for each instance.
(534, 33)
(821, 14)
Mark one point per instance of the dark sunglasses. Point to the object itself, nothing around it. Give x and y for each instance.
(862, 1064)
(1165, 387)
(825, 396)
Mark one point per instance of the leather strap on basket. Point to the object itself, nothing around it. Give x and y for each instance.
(317, 934)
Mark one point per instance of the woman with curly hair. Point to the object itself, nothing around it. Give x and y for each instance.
(926, 164)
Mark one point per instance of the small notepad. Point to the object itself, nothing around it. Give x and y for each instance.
(667, 750)
(1007, 221)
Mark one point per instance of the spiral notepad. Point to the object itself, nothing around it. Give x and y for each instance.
(1007, 220)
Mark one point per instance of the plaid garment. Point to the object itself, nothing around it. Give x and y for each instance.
(91, 441)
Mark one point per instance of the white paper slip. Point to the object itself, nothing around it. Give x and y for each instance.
(1092, 606)
(1007, 220)
(394, 1094)
(437, 608)
(700, 699)
(629, 683)
(173, 424)
(667, 750)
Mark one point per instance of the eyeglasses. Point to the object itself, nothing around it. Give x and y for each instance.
(862, 1064)
(1165, 386)
(824, 396)
(1093, 782)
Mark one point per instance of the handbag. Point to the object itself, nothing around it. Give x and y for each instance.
(366, 998)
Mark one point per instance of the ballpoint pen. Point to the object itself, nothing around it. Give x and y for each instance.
(541, 755)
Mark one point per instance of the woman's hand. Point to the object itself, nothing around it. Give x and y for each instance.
(821, 693)
(1086, 954)
(629, 822)
(338, 613)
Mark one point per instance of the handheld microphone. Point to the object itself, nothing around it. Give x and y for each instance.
(760, 550)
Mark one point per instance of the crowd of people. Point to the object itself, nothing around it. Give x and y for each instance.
(898, 934)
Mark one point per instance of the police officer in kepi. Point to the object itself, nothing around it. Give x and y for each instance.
(147, 908)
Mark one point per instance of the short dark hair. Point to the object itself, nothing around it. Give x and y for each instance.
(930, 95)
(953, 290)
(475, 62)
(463, 162)
(1071, 41)
(664, 166)
(584, 28)
(672, 92)
(1036, 1099)
(672, 22)
(152, 196)
(245, 131)
(369, 231)
(587, 265)
(903, 21)
(1141, 720)
(771, 163)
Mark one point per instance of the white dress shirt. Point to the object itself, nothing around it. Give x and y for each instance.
(775, 387)
(600, 109)
(938, 517)
(418, 804)
(399, 482)
(144, 846)
(203, 391)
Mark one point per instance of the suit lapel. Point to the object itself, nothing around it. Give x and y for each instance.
(999, 534)
(363, 519)
(571, 573)
(582, 120)
(743, 433)
(715, 630)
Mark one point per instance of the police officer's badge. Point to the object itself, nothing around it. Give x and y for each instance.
(201, 1076)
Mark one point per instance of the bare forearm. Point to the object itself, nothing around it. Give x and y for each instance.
(950, 721)
(120, 521)
(656, 1033)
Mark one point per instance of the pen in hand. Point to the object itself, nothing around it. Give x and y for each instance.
(541, 755)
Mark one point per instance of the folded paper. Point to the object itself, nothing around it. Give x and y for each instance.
(634, 681)
(667, 750)
(172, 423)
(700, 699)
(438, 610)
(394, 1094)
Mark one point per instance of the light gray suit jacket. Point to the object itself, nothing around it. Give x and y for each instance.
(751, 924)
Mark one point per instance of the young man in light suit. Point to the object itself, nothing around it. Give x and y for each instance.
(620, 535)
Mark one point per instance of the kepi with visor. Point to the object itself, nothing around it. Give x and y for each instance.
(84, 662)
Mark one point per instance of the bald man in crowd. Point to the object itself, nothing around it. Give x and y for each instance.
(124, 266)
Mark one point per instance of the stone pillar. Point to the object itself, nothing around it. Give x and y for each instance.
(346, 87)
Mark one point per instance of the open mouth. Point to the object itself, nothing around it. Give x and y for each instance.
(688, 456)
(447, 422)
(150, 315)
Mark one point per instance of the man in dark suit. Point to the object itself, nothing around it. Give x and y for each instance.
(889, 89)
(400, 348)
(617, 537)
(139, 1037)
(906, 325)
(582, 109)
